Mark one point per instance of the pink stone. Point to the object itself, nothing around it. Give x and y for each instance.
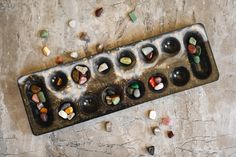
(35, 98)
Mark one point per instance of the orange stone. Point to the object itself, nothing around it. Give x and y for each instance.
(43, 110)
(69, 110)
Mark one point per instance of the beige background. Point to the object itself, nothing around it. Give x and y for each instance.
(204, 117)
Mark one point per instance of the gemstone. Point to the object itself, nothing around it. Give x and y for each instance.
(102, 67)
(156, 130)
(115, 100)
(170, 134)
(196, 59)
(192, 49)
(44, 34)
(192, 41)
(151, 150)
(147, 50)
(72, 23)
(159, 86)
(41, 97)
(166, 120)
(152, 115)
(35, 98)
(137, 93)
(158, 80)
(46, 51)
(69, 110)
(63, 114)
(99, 47)
(134, 85)
(83, 80)
(199, 51)
(44, 117)
(152, 82)
(98, 12)
(82, 69)
(130, 91)
(84, 36)
(74, 55)
(108, 100)
(125, 60)
(59, 60)
(71, 116)
(35, 89)
(108, 126)
(40, 106)
(65, 106)
(43, 110)
(132, 16)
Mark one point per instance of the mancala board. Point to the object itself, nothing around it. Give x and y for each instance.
(75, 92)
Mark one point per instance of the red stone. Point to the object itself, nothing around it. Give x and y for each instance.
(192, 49)
(152, 82)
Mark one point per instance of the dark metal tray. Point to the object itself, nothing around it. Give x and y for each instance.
(164, 63)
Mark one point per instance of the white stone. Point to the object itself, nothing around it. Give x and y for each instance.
(71, 115)
(72, 23)
(137, 93)
(46, 51)
(63, 114)
(74, 55)
(40, 106)
(82, 69)
(152, 115)
(156, 130)
(116, 100)
(159, 86)
(102, 67)
(147, 50)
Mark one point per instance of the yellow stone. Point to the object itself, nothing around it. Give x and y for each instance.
(69, 110)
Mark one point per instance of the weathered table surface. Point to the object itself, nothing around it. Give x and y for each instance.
(204, 118)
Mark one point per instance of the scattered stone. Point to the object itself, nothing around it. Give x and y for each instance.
(132, 16)
(44, 34)
(63, 114)
(125, 60)
(72, 23)
(35, 89)
(151, 150)
(102, 67)
(44, 117)
(84, 36)
(59, 60)
(108, 126)
(98, 12)
(35, 98)
(41, 97)
(135, 85)
(100, 47)
(170, 134)
(137, 93)
(156, 130)
(152, 115)
(46, 51)
(166, 120)
(74, 55)
(159, 86)
(192, 41)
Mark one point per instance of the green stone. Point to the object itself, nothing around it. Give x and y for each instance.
(196, 59)
(132, 16)
(135, 86)
(41, 97)
(193, 41)
(199, 51)
(44, 34)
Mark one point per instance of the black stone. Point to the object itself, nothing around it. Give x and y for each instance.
(151, 150)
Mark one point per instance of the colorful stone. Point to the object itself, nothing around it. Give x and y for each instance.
(159, 86)
(152, 82)
(192, 49)
(132, 16)
(69, 110)
(44, 34)
(41, 97)
(35, 89)
(35, 98)
(125, 60)
(137, 93)
(192, 41)
(152, 115)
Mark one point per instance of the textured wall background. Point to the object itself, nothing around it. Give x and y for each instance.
(204, 117)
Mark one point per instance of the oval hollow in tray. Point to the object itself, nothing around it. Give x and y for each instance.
(89, 104)
(80, 74)
(149, 53)
(171, 45)
(180, 76)
(203, 69)
(35, 85)
(64, 105)
(59, 80)
(157, 83)
(112, 95)
(135, 89)
(103, 66)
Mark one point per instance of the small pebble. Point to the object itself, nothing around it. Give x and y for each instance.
(43, 110)
(71, 116)
(170, 134)
(40, 106)
(72, 23)
(132, 16)
(149, 56)
(82, 69)
(108, 126)
(158, 80)
(151, 150)
(199, 51)
(152, 82)
(152, 115)
(192, 41)
(166, 120)
(41, 97)
(130, 91)
(74, 55)
(159, 86)
(69, 110)
(108, 100)
(35, 98)
(63, 114)
(44, 34)
(100, 47)
(125, 60)
(83, 80)
(137, 93)
(115, 100)
(196, 59)
(35, 89)
(84, 36)
(98, 12)
(192, 49)
(44, 117)
(135, 85)
(156, 130)
(147, 50)
(65, 106)
(46, 51)
(102, 67)
(59, 60)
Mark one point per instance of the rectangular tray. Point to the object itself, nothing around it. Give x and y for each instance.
(118, 79)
